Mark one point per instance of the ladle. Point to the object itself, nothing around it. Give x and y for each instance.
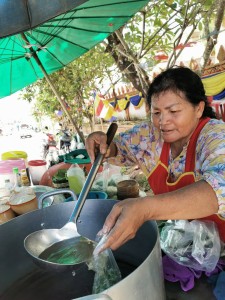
(37, 242)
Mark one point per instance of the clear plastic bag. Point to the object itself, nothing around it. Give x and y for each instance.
(107, 272)
(107, 180)
(195, 244)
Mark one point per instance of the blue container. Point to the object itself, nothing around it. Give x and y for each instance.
(92, 195)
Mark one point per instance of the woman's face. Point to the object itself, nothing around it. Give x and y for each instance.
(175, 117)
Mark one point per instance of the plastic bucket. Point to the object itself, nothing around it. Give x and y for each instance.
(36, 169)
(17, 154)
(6, 169)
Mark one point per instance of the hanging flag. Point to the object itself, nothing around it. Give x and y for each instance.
(140, 103)
(107, 112)
(98, 104)
(136, 99)
(106, 102)
(113, 103)
(123, 103)
(113, 119)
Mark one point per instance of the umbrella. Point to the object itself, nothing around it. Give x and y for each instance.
(39, 37)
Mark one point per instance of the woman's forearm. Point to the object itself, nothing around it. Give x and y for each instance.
(197, 200)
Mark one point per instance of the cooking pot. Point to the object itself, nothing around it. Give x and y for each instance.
(139, 259)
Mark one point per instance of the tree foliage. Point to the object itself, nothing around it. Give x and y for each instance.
(76, 84)
(161, 27)
(128, 55)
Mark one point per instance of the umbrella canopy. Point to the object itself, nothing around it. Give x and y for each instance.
(55, 42)
(18, 16)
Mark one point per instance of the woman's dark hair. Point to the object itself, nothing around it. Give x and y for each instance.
(181, 79)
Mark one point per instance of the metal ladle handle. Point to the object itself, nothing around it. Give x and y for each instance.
(91, 175)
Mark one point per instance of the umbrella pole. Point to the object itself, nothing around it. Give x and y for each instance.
(53, 88)
(59, 99)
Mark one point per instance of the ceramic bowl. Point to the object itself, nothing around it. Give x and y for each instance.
(4, 196)
(6, 213)
(24, 201)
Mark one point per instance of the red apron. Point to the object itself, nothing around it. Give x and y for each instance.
(159, 179)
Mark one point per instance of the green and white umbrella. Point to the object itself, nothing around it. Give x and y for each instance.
(52, 33)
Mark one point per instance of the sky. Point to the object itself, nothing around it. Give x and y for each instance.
(14, 109)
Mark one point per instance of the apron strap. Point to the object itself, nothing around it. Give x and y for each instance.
(191, 150)
(190, 157)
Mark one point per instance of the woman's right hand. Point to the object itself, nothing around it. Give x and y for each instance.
(122, 223)
(96, 142)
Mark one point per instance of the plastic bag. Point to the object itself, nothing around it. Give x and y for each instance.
(107, 272)
(194, 244)
(107, 180)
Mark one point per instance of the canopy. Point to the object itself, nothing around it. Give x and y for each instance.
(55, 42)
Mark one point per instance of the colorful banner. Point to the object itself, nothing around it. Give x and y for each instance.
(123, 104)
(137, 100)
(107, 112)
(214, 84)
(107, 109)
(219, 96)
(98, 104)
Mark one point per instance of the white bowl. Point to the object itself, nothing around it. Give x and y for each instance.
(4, 196)
(6, 213)
(23, 201)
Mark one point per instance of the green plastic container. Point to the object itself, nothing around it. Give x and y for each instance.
(74, 157)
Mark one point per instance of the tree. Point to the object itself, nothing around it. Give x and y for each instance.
(133, 46)
(128, 55)
(76, 84)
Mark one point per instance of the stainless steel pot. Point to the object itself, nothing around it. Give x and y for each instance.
(139, 259)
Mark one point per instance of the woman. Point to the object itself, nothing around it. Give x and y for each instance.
(181, 151)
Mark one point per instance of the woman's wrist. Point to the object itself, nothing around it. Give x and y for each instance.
(147, 211)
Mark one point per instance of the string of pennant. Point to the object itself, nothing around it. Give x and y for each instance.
(213, 80)
(108, 108)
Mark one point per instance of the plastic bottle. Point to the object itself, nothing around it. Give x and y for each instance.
(8, 185)
(24, 178)
(5, 192)
(76, 178)
(17, 179)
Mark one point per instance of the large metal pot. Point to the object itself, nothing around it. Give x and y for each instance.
(139, 259)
